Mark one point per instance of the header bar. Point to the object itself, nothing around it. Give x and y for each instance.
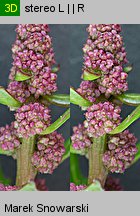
(72, 12)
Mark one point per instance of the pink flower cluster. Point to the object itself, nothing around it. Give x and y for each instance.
(43, 83)
(121, 152)
(104, 53)
(31, 119)
(74, 187)
(33, 55)
(89, 90)
(25, 30)
(8, 188)
(80, 139)
(106, 36)
(95, 29)
(104, 49)
(8, 138)
(49, 153)
(113, 83)
(19, 90)
(100, 60)
(101, 118)
(33, 51)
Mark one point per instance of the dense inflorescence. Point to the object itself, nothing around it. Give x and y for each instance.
(8, 138)
(19, 90)
(31, 119)
(74, 187)
(32, 50)
(101, 118)
(113, 83)
(33, 56)
(25, 30)
(49, 154)
(105, 55)
(94, 29)
(104, 49)
(89, 90)
(121, 152)
(43, 83)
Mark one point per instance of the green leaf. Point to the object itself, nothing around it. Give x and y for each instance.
(7, 99)
(3, 152)
(95, 186)
(77, 99)
(132, 99)
(137, 156)
(4, 180)
(75, 172)
(90, 76)
(29, 187)
(58, 123)
(58, 99)
(128, 121)
(21, 76)
(67, 150)
(128, 68)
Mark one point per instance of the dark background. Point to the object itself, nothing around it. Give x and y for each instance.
(68, 41)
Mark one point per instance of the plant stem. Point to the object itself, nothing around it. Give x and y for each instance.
(75, 172)
(25, 170)
(97, 171)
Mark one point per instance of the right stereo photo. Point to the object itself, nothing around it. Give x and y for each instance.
(105, 107)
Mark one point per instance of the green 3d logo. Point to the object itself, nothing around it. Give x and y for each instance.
(9, 7)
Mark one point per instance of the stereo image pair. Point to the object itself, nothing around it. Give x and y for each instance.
(69, 107)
